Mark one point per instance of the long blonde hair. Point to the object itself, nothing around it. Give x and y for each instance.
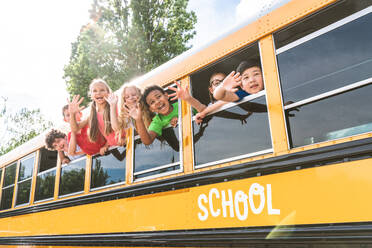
(93, 121)
(126, 121)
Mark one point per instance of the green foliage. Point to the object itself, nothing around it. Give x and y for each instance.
(127, 39)
(19, 127)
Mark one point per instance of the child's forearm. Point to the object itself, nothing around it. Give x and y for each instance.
(114, 118)
(64, 159)
(146, 137)
(196, 104)
(72, 145)
(219, 93)
(215, 106)
(222, 94)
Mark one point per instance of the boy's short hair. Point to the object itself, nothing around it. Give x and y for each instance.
(245, 64)
(63, 110)
(51, 137)
(148, 90)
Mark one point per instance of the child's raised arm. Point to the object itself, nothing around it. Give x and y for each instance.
(73, 108)
(64, 159)
(213, 107)
(112, 99)
(147, 137)
(184, 94)
(226, 90)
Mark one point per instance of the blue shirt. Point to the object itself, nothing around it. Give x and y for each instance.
(241, 94)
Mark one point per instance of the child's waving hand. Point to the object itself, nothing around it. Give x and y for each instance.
(74, 104)
(112, 99)
(180, 92)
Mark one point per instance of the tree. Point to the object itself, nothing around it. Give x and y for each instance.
(127, 39)
(19, 127)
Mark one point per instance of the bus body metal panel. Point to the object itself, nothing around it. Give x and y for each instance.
(336, 193)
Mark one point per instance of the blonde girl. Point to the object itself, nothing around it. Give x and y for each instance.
(131, 100)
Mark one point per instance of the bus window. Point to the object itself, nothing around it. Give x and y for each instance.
(72, 177)
(45, 180)
(26, 167)
(238, 129)
(162, 157)
(8, 186)
(108, 170)
(326, 75)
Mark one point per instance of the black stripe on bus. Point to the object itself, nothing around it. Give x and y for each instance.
(345, 233)
(350, 151)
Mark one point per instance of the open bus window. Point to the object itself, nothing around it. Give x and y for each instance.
(72, 177)
(108, 170)
(8, 186)
(237, 129)
(162, 157)
(222, 137)
(326, 75)
(46, 176)
(26, 167)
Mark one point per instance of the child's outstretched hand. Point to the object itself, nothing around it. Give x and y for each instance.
(232, 82)
(135, 112)
(74, 104)
(174, 122)
(181, 93)
(199, 118)
(112, 99)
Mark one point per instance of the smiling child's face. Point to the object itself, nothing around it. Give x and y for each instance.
(131, 96)
(252, 81)
(158, 102)
(98, 92)
(60, 144)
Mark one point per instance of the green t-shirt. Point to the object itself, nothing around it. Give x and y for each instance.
(159, 122)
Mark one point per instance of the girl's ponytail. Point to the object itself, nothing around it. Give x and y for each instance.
(93, 123)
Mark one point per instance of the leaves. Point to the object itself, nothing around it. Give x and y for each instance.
(127, 39)
(19, 127)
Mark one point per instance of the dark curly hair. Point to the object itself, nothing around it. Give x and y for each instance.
(148, 90)
(51, 137)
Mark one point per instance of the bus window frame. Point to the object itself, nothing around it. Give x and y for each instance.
(41, 173)
(106, 186)
(229, 105)
(30, 178)
(248, 155)
(327, 94)
(181, 169)
(60, 175)
(10, 185)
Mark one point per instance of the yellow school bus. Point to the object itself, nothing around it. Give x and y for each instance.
(289, 166)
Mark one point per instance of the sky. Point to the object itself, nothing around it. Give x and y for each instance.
(36, 39)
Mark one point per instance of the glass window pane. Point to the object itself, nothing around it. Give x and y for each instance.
(236, 131)
(108, 169)
(335, 59)
(45, 185)
(331, 118)
(318, 20)
(159, 153)
(48, 159)
(23, 192)
(10, 172)
(72, 177)
(7, 198)
(25, 168)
